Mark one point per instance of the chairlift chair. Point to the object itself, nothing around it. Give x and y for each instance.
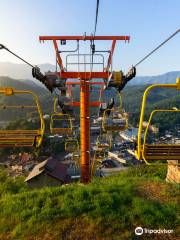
(97, 160)
(103, 142)
(154, 153)
(71, 145)
(21, 137)
(115, 119)
(159, 152)
(61, 124)
(64, 105)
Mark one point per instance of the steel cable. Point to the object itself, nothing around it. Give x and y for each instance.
(159, 46)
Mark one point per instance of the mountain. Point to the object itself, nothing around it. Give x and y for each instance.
(21, 71)
(169, 77)
(23, 85)
(45, 97)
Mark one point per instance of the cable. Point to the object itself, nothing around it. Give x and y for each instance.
(3, 47)
(95, 27)
(164, 42)
(97, 10)
(36, 73)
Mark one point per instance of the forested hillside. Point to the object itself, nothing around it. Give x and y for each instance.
(132, 96)
(158, 99)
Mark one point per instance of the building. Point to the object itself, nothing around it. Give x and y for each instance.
(50, 172)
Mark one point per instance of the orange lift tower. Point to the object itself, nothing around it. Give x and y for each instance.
(85, 78)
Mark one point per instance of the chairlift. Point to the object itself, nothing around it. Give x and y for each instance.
(61, 124)
(21, 137)
(103, 142)
(71, 145)
(154, 152)
(115, 118)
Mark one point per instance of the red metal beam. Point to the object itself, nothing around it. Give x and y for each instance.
(58, 57)
(91, 83)
(110, 55)
(84, 38)
(92, 104)
(84, 75)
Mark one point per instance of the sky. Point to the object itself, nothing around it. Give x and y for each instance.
(148, 22)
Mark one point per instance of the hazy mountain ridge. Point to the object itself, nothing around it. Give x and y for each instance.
(30, 85)
(22, 71)
(45, 97)
(169, 77)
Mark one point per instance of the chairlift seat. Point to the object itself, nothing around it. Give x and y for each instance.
(157, 151)
(19, 138)
(162, 152)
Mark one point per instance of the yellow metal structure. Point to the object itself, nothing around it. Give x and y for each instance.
(17, 137)
(103, 142)
(61, 124)
(55, 105)
(76, 158)
(71, 145)
(155, 152)
(99, 156)
(117, 77)
(151, 152)
(115, 119)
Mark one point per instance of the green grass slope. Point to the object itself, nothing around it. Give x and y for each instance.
(108, 208)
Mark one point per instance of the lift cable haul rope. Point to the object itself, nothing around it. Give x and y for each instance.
(92, 46)
(132, 72)
(97, 11)
(5, 48)
(35, 70)
(159, 46)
